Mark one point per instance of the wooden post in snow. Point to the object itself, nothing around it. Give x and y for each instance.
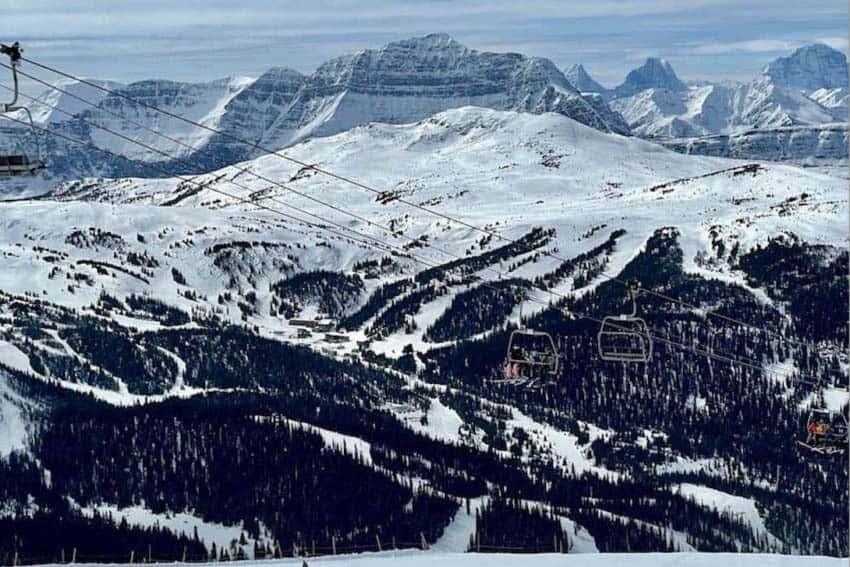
(132, 556)
(378, 541)
(333, 544)
(74, 555)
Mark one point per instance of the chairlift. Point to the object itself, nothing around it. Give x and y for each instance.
(23, 163)
(825, 432)
(625, 338)
(531, 356)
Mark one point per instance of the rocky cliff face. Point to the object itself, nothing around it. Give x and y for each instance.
(809, 68)
(578, 76)
(653, 74)
(793, 110)
(803, 144)
(409, 80)
(401, 82)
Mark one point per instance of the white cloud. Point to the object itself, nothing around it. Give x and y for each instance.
(835, 42)
(206, 39)
(751, 46)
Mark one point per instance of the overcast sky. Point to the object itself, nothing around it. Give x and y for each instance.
(200, 40)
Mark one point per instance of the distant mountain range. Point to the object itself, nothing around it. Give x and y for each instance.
(804, 93)
(409, 80)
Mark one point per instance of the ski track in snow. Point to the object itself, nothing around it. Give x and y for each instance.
(564, 445)
(347, 444)
(177, 522)
(740, 507)
(443, 422)
(13, 425)
(456, 536)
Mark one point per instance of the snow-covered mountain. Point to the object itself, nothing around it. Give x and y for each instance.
(400, 82)
(809, 68)
(412, 79)
(153, 331)
(832, 98)
(806, 91)
(717, 109)
(205, 103)
(655, 73)
(578, 76)
(554, 173)
(807, 145)
(51, 107)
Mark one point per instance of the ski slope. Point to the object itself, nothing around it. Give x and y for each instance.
(440, 559)
(508, 172)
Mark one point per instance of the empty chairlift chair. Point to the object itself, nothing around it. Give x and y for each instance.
(19, 163)
(625, 338)
(16, 165)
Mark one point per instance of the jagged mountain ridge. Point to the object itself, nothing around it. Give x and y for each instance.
(809, 68)
(402, 81)
(655, 73)
(578, 76)
(806, 90)
(715, 109)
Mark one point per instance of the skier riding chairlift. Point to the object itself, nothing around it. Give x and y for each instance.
(825, 432)
(531, 356)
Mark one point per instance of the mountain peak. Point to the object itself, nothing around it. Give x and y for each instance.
(654, 73)
(809, 68)
(429, 41)
(578, 77)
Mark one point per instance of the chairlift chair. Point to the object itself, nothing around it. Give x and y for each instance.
(531, 355)
(23, 163)
(825, 432)
(625, 338)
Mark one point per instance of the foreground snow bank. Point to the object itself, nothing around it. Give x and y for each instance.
(437, 559)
